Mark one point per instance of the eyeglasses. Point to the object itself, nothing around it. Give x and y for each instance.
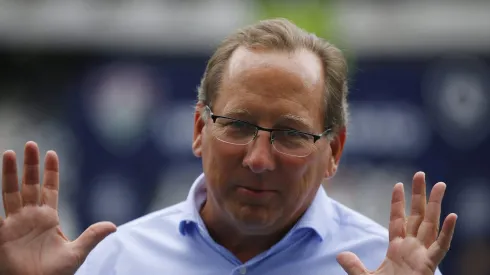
(285, 141)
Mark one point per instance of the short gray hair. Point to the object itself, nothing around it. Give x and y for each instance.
(281, 34)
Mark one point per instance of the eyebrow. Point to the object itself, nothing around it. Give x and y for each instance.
(300, 121)
(283, 119)
(235, 112)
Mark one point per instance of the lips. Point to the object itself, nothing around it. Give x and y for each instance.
(256, 193)
(253, 189)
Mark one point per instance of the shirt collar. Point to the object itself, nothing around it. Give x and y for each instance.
(319, 217)
(193, 203)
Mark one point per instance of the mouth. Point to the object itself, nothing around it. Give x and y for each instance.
(255, 193)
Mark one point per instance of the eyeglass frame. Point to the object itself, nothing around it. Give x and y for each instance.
(258, 128)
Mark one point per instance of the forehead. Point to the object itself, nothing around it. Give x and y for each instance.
(302, 62)
(273, 82)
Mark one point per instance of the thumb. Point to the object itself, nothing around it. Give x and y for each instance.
(91, 237)
(351, 263)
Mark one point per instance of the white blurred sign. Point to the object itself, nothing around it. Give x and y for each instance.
(457, 96)
(118, 105)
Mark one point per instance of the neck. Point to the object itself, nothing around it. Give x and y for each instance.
(243, 246)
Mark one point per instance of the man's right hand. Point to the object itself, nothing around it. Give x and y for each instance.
(31, 240)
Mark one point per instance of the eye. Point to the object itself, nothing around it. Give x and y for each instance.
(237, 124)
(232, 124)
(297, 135)
(291, 136)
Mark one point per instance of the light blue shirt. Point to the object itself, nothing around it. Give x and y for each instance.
(175, 241)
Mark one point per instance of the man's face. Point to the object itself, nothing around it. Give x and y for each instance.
(275, 90)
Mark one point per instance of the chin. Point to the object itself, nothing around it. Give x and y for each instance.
(254, 220)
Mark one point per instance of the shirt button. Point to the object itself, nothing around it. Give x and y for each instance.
(243, 270)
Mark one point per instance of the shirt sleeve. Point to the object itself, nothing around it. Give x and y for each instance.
(102, 260)
(83, 270)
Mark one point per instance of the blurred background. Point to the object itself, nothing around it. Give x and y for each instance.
(110, 85)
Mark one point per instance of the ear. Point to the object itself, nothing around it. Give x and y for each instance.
(198, 130)
(336, 148)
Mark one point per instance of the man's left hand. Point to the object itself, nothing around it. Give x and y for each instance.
(416, 246)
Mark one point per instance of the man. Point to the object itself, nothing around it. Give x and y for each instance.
(270, 126)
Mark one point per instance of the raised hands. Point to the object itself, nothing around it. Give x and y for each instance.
(416, 245)
(31, 240)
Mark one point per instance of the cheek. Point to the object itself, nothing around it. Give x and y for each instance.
(219, 159)
(305, 174)
(297, 168)
(217, 150)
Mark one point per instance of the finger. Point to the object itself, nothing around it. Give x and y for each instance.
(417, 209)
(351, 263)
(90, 238)
(12, 201)
(430, 226)
(439, 248)
(50, 188)
(397, 213)
(395, 250)
(30, 179)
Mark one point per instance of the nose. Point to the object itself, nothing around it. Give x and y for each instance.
(259, 157)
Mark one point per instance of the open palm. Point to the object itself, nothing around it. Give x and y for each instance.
(31, 240)
(416, 246)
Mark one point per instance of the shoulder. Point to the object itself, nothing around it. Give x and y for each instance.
(153, 228)
(352, 222)
(359, 234)
(164, 217)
